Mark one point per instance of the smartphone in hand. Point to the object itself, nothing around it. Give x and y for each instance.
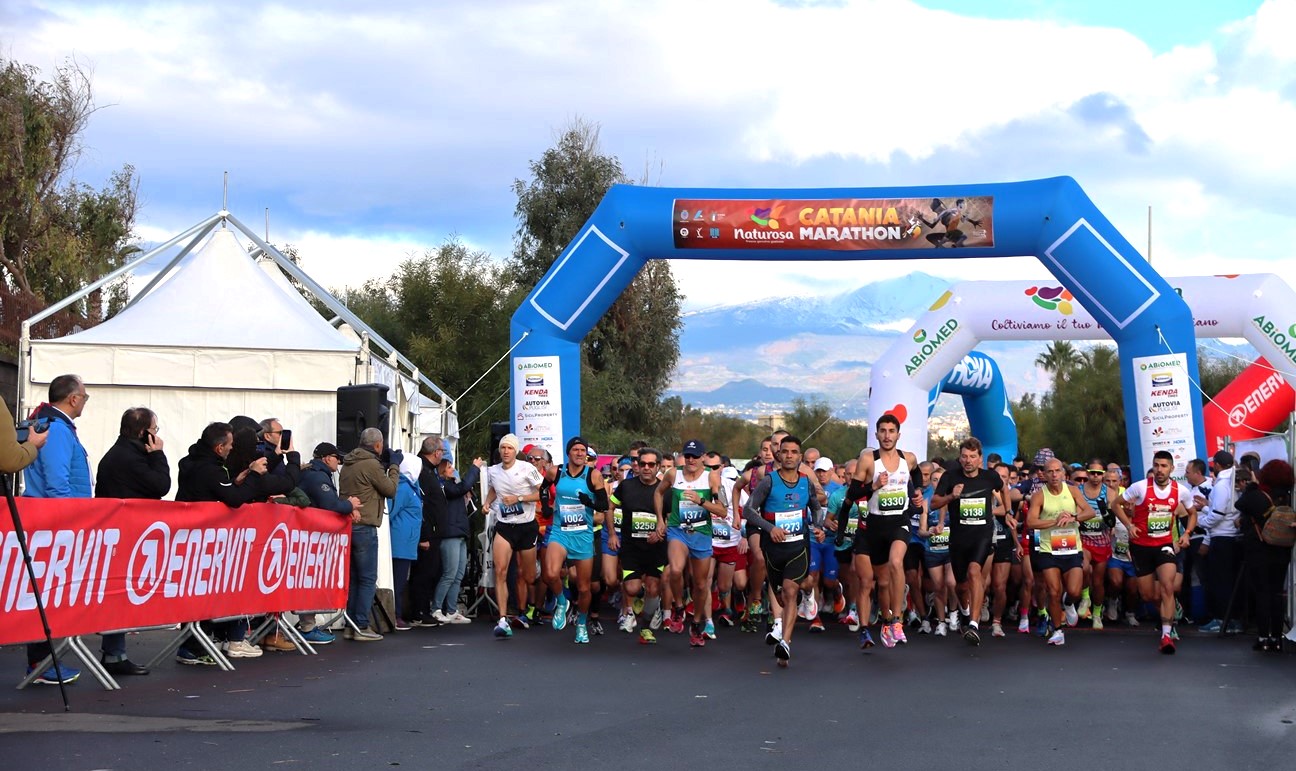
(285, 440)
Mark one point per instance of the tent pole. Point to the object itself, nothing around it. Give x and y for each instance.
(189, 247)
(128, 267)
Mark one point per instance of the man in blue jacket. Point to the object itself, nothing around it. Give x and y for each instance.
(61, 470)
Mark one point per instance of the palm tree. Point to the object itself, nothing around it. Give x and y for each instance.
(1059, 359)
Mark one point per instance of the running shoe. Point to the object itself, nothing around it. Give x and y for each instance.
(696, 638)
(242, 649)
(317, 636)
(524, 620)
(1174, 633)
(839, 604)
(775, 633)
(726, 616)
(747, 625)
(1023, 625)
(756, 610)
(595, 627)
(873, 616)
(637, 605)
(459, 618)
(812, 605)
(1234, 627)
(817, 625)
(1111, 611)
(646, 637)
(675, 623)
(953, 622)
(985, 612)
(560, 613)
(582, 634)
(783, 652)
(1086, 609)
(912, 619)
(1043, 628)
(658, 618)
(852, 621)
(1211, 627)
(628, 623)
(865, 639)
(190, 658)
(1057, 638)
(1098, 621)
(925, 628)
(1131, 620)
(898, 633)
(1167, 644)
(70, 675)
(615, 599)
(996, 629)
(971, 636)
(942, 629)
(503, 630)
(803, 607)
(1070, 616)
(888, 635)
(1178, 611)
(708, 629)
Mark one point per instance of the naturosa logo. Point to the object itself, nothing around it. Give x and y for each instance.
(920, 335)
(1052, 298)
(766, 218)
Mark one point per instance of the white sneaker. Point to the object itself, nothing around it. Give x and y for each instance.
(1023, 625)
(1111, 611)
(812, 606)
(942, 629)
(803, 607)
(440, 617)
(242, 649)
(778, 629)
(656, 622)
(952, 622)
(912, 619)
(1131, 620)
(925, 628)
(985, 612)
(1057, 638)
(996, 629)
(458, 618)
(1071, 616)
(628, 623)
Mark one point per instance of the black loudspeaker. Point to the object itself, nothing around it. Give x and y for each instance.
(498, 429)
(360, 407)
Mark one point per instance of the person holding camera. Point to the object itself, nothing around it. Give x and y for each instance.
(61, 470)
(369, 473)
(17, 453)
(134, 467)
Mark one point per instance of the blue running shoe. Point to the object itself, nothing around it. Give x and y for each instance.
(50, 677)
(865, 639)
(582, 634)
(560, 613)
(502, 630)
(318, 636)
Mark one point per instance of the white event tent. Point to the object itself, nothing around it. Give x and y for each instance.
(213, 335)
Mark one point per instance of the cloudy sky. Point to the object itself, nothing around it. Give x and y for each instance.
(375, 132)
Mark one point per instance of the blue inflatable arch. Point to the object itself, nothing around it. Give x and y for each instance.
(1052, 219)
(985, 399)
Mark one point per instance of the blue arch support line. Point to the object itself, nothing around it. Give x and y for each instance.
(1052, 219)
(985, 399)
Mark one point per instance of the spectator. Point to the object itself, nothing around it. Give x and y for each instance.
(369, 473)
(283, 461)
(15, 457)
(317, 482)
(205, 477)
(1266, 564)
(248, 449)
(61, 470)
(427, 570)
(1224, 550)
(134, 467)
(451, 540)
(406, 509)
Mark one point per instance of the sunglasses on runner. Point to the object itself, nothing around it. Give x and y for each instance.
(709, 467)
(535, 457)
(692, 457)
(648, 464)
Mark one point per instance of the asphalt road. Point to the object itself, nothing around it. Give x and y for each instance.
(456, 698)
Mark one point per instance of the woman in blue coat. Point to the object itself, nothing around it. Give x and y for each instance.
(405, 511)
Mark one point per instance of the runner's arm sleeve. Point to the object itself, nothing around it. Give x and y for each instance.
(859, 491)
(754, 503)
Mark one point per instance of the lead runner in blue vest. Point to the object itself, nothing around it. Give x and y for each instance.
(785, 506)
(580, 502)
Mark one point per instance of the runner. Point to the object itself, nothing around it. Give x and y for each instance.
(1095, 537)
(845, 545)
(580, 501)
(1148, 509)
(640, 545)
(513, 489)
(824, 568)
(936, 560)
(746, 482)
(1055, 513)
(914, 568)
(1007, 551)
(967, 491)
(694, 499)
(730, 550)
(785, 508)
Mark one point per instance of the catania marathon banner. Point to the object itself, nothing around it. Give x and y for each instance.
(104, 564)
(847, 224)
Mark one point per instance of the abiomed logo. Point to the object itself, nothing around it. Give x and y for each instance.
(920, 335)
(930, 344)
(1284, 342)
(1052, 298)
(766, 218)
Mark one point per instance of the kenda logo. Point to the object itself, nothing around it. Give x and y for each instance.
(930, 345)
(1283, 340)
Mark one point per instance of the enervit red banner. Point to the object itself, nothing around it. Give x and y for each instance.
(105, 564)
(835, 224)
(1255, 403)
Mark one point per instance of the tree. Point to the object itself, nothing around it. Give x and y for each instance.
(56, 234)
(1085, 412)
(1216, 373)
(1059, 359)
(628, 358)
(814, 424)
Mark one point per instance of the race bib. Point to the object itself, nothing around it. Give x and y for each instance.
(792, 523)
(692, 514)
(1001, 532)
(616, 519)
(1092, 526)
(720, 530)
(571, 518)
(513, 510)
(1159, 522)
(973, 511)
(1063, 541)
(852, 525)
(1120, 545)
(938, 542)
(642, 524)
(893, 500)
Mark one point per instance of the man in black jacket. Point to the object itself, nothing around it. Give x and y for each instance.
(427, 569)
(134, 467)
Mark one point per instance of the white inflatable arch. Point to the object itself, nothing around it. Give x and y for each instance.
(1260, 308)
